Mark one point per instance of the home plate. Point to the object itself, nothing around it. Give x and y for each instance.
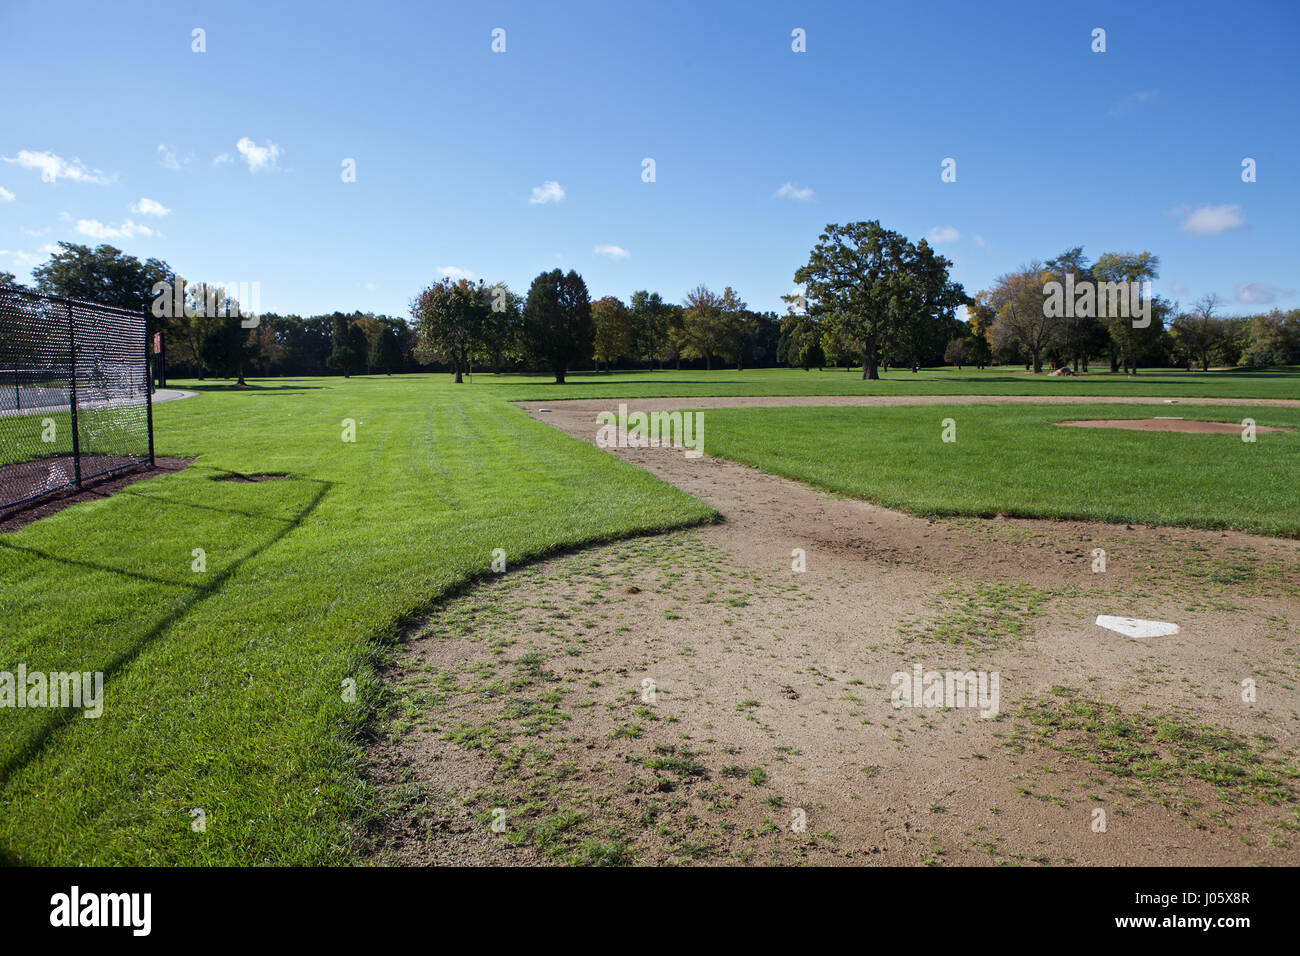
(1132, 627)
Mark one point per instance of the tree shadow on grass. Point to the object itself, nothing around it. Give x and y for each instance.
(246, 389)
(57, 719)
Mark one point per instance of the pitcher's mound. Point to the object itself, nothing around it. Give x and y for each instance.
(1171, 425)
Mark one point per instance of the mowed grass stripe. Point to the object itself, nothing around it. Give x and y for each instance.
(227, 695)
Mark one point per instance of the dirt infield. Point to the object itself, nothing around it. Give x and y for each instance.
(1187, 426)
(524, 700)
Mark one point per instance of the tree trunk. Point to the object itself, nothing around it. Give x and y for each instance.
(870, 368)
(559, 376)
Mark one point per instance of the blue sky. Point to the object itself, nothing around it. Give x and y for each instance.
(1139, 147)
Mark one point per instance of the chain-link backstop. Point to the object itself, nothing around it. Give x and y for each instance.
(74, 394)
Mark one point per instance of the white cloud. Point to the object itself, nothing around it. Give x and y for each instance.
(258, 157)
(6, 195)
(980, 241)
(172, 159)
(549, 191)
(1177, 288)
(53, 168)
(1261, 293)
(150, 207)
(613, 252)
(1211, 220)
(29, 259)
(98, 230)
(456, 272)
(791, 191)
(942, 234)
(223, 158)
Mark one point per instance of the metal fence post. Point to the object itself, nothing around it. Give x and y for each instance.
(72, 360)
(148, 385)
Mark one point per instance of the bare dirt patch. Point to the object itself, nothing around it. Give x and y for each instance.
(243, 479)
(92, 489)
(1188, 426)
(523, 701)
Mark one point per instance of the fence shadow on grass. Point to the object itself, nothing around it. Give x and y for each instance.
(58, 719)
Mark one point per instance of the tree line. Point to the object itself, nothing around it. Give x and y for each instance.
(868, 298)
(557, 327)
(1018, 320)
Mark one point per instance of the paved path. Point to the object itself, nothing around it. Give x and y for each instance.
(56, 400)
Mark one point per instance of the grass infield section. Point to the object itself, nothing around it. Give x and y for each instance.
(1013, 460)
(223, 688)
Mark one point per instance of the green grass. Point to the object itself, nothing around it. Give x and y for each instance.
(1281, 382)
(223, 688)
(1013, 460)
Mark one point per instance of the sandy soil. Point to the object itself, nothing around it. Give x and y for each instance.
(773, 690)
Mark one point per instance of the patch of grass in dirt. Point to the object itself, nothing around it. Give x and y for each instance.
(1242, 569)
(1163, 753)
(981, 615)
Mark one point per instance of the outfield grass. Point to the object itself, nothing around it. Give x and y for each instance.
(1012, 460)
(223, 688)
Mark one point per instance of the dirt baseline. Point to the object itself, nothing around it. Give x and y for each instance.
(1187, 426)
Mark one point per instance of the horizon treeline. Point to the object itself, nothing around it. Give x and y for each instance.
(870, 299)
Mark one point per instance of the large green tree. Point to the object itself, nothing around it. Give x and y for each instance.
(1078, 333)
(105, 275)
(1023, 324)
(612, 335)
(452, 320)
(557, 328)
(709, 326)
(500, 340)
(228, 347)
(387, 350)
(351, 350)
(1132, 339)
(651, 325)
(876, 287)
